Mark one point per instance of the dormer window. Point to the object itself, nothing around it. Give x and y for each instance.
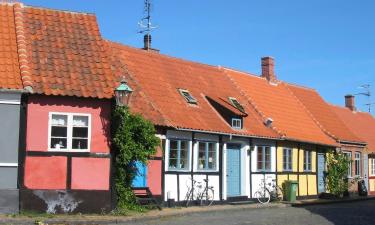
(188, 97)
(236, 123)
(236, 104)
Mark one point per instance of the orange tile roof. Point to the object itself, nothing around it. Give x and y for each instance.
(156, 78)
(360, 123)
(323, 114)
(276, 102)
(9, 68)
(59, 52)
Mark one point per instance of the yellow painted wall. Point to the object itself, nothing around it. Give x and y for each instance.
(312, 187)
(307, 183)
(302, 185)
(372, 184)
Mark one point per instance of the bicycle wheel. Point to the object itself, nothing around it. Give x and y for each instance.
(207, 197)
(188, 197)
(279, 196)
(263, 196)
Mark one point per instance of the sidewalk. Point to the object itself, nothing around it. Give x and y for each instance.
(109, 219)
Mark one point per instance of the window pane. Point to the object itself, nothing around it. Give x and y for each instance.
(211, 156)
(184, 162)
(260, 158)
(173, 153)
(59, 131)
(267, 158)
(82, 121)
(81, 132)
(202, 155)
(59, 120)
(79, 143)
(58, 143)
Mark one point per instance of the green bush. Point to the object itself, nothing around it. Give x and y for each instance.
(337, 172)
(133, 139)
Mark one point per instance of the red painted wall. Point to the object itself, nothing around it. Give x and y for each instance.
(154, 176)
(90, 173)
(45, 172)
(51, 172)
(38, 111)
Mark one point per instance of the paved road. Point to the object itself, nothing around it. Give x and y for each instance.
(361, 213)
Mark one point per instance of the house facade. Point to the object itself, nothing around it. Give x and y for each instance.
(361, 124)
(11, 109)
(348, 142)
(222, 135)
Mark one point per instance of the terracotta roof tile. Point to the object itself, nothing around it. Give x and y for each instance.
(155, 79)
(63, 47)
(323, 114)
(9, 67)
(360, 123)
(276, 102)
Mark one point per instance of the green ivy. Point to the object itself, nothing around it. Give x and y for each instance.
(133, 139)
(337, 171)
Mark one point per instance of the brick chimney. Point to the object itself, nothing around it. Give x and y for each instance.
(147, 42)
(349, 102)
(268, 68)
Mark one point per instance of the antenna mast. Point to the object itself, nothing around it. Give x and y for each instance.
(367, 93)
(146, 25)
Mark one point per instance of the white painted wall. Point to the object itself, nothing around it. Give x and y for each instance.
(170, 185)
(257, 178)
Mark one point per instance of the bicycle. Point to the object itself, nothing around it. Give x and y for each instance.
(196, 192)
(268, 191)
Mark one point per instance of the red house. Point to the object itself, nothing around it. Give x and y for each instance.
(67, 84)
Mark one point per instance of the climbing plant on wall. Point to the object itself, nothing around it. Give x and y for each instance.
(337, 172)
(133, 139)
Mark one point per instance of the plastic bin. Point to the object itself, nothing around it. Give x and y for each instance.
(291, 190)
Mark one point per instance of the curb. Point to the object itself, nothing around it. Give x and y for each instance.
(326, 202)
(139, 218)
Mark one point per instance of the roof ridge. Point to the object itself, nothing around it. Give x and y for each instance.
(244, 72)
(60, 10)
(299, 86)
(165, 55)
(309, 113)
(21, 47)
(251, 102)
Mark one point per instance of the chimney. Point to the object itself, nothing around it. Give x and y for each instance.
(147, 42)
(349, 102)
(268, 68)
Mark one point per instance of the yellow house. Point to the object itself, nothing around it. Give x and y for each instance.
(298, 161)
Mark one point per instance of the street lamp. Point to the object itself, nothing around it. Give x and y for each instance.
(123, 93)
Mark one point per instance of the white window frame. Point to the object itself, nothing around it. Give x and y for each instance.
(349, 155)
(357, 159)
(372, 166)
(263, 160)
(189, 150)
(289, 159)
(216, 145)
(236, 122)
(69, 132)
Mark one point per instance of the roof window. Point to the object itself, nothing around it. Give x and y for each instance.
(236, 123)
(188, 97)
(236, 104)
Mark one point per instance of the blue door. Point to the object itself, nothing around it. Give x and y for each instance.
(140, 179)
(321, 169)
(233, 170)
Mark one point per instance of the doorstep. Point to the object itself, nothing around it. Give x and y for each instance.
(317, 201)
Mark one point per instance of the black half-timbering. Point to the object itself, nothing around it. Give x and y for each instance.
(232, 115)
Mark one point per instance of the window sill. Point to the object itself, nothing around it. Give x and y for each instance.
(68, 150)
(178, 170)
(206, 171)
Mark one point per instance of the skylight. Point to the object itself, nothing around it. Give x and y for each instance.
(236, 104)
(188, 97)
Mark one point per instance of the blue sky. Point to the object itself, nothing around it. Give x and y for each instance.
(325, 45)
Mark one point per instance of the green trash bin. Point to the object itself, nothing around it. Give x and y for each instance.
(291, 190)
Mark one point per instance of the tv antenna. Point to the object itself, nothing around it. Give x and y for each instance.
(145, 23)
(367, 93)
